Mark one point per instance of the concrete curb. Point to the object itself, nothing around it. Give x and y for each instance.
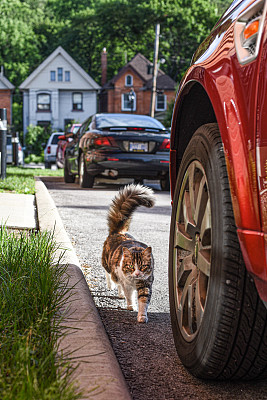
(98, 373)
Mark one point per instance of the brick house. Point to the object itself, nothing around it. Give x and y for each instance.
(6, 90)
(135, 79)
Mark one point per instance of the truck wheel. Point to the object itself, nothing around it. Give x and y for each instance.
(219, 322)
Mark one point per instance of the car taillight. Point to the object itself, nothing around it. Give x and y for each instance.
(165, 145)
(48, 149)
(102, 141)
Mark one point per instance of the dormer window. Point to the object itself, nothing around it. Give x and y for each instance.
(128, 80)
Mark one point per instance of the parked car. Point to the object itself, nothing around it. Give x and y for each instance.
(51, 149)
(62, 143)
(218, 234)
(9, 151)
(118, 146)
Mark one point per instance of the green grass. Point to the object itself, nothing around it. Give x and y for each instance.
(33, 289)
(21, 180)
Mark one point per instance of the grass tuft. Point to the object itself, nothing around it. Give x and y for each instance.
(33, 289)
(21, 180)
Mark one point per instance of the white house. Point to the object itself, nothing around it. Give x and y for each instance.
(58, 92)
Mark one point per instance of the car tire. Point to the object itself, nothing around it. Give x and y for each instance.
(68, 178)
(85, 180)
(165, 183)
(218, 320)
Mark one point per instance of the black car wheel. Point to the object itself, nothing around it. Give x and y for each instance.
(165, 183)
(218, 320)
(68, 178)
(85, 180)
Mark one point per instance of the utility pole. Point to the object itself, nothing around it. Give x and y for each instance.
(155, 71)
(3, 132)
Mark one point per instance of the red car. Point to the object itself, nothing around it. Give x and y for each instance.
(218, 168)
(62, 143)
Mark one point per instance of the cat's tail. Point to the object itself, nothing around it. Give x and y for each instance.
(125, 203)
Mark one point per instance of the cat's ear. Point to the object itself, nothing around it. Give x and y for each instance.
(126, 252)
(147, 251)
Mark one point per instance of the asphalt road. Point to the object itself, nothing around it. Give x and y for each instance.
(146, 352)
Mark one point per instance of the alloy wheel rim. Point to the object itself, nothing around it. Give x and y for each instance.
(192, 250)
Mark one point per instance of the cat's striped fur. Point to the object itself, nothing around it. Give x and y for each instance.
(128, 262)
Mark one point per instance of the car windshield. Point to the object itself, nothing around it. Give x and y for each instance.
(104, 121)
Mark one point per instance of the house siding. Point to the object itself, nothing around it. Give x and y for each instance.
(60, 92)
(143, 97)
(110, 99)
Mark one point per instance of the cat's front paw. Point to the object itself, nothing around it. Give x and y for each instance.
(142, 319)
(130, 307)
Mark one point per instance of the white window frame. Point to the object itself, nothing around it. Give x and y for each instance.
(53, 72)
(67, 73)
(165, 102)
(131, 83)
(125, 108)
(81, 102)
(40, 104)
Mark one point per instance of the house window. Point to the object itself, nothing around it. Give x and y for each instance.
(52, 76)
(60, 74)
(43, 102)
(128, 80)
(77, 101)
(67, 76)
(161, 102)
(128, 101)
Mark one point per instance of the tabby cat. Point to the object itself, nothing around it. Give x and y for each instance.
(128, 262)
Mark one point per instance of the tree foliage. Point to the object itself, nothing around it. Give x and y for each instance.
(32, 29)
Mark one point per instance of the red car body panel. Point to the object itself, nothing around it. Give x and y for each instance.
(238, 94)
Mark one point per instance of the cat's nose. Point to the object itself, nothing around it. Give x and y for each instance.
(137, 273)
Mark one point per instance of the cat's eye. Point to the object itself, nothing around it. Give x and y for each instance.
(130, 266)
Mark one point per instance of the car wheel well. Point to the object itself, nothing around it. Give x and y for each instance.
(194, 111)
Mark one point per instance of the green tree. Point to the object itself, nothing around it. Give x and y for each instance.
(35, 138)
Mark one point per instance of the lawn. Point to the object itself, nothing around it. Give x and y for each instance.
(21, 180)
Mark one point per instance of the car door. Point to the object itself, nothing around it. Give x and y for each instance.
(261, 134)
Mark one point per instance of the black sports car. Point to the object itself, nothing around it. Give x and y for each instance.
(118, 146)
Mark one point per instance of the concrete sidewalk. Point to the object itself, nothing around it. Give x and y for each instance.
(98, 372)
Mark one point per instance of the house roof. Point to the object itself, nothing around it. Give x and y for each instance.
(139, 64)
(5, 83)
(59, 51)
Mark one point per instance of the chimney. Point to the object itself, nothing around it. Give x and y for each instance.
(2, 70)
(104, 65)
